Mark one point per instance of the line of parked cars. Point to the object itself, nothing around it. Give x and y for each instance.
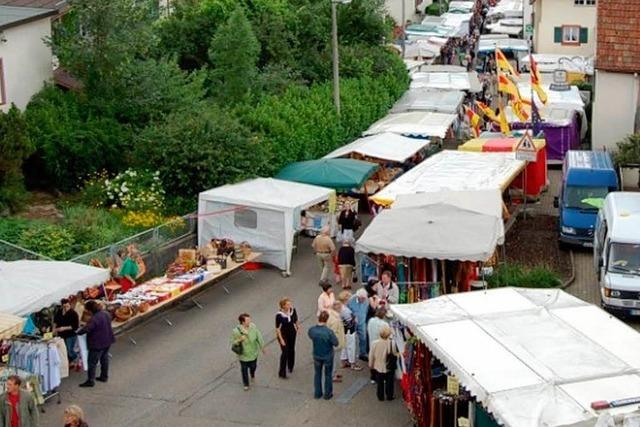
(593, 213)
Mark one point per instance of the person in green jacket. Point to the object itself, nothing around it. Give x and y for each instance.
(252, 343)
(17, 407)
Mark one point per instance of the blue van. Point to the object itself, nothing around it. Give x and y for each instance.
(587, 178)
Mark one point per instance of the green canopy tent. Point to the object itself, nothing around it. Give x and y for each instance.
(339, 174)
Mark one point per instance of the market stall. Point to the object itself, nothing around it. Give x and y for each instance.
(389, 147)
(338, 174)
(518, 357)
(10, 325)
(432, 241)
(425, 99)
(534, 177)
(454, 170)
(577, 67)
(421, 124)
(28, 286)
(446, 77)
(264, 212)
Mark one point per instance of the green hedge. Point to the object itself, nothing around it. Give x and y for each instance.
(521, 277)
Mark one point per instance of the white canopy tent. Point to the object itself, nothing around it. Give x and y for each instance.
(261, 211)
(448, 225)
(507, 9)
(383, 146)
(454, 170)
(532, 357)
(28, 286)
(446, 80)
(489, 44)
(510, 26)
(569, 99)
(424, 124)
(549, 62)
(424, 99)
(461, 6)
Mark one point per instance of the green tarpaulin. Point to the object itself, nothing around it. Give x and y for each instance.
(339, 174)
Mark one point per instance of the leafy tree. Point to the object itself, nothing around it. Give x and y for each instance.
(200, 149)
(15, 146)
(96, 38)
(234, 53)
(629, 152)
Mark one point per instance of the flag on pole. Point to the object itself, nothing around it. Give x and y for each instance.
(504, 123)
(487, 111)
(536, 82)
(536, 119)
(520, 110)
(506, 85)
(503, 64)
(474, 120)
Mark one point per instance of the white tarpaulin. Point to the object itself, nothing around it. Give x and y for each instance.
(461, 6)
(548, 63)
(455, 80)
(262, 211)
(488, 44)
(507, 9)
(384, 146)
(442, 101)
(510, 26)
(454, 170)
(423, 124)
(28, 286)
(532, 357)
(451, 225)
(569, 99)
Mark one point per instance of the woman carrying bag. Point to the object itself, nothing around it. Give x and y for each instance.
(383, 358)
(246, 342)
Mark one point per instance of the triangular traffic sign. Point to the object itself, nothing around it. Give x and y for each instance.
(526, 144)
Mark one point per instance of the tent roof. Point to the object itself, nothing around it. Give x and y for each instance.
(423, 124)
(530, 356)
(268, 193)
(454, 170)
(568, 99)
(384, 146)
(489, 44)
(447, 80)
(28, 286)
(465, 225)
(511, 26)
(425, 99)
(549, 62)
(340, 174)
(507, 8)
(466, 6)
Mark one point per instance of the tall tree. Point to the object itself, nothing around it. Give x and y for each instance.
(15, 146)
(234, 52)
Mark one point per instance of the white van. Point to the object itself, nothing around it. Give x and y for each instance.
(616, 252)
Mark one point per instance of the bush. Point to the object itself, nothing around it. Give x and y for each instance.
(434, 8)
(135, 191)
(518, 276)
(197, 150)
(15, 146)
(12, 228)
(71, 142)
(47, 239)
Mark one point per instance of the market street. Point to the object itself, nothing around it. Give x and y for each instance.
(187, 374)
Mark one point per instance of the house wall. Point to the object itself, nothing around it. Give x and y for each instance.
(26, 61)
(614, 108)
(549, 14)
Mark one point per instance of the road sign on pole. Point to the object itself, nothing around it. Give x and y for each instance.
(525, 150)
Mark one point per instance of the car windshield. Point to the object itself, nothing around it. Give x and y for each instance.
(624, 258)
(589, 198)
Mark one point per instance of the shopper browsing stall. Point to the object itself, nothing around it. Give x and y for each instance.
(387, 290)
(348, 222)
(100, 337)
(66, 323)
(359, 305)
(247, 343)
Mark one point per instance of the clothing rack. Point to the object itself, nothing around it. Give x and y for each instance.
(42, 396)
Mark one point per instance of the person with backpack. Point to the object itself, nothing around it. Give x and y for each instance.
(247, 342)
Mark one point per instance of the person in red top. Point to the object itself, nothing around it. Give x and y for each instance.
(17, 407)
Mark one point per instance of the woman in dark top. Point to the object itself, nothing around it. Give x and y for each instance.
(347, 221)
(287, 327)
(67, 323)
(346, 263)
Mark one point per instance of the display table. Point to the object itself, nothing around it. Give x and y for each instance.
(210, 279)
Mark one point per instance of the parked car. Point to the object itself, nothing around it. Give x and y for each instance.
(616, 252)
(587, 178)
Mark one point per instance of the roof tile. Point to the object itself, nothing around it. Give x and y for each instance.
(618, 33)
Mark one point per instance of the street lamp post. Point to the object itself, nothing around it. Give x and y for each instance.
(334, 48)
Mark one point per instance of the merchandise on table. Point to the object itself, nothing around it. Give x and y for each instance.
(318, 216)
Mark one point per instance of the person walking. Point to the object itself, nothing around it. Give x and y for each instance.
(67, 322)
(383, 359)
(99, 339)
(348, 222)
(74, 417)
(346, 262)
(324, 248)
(335, 324)
(387, 290)
(359, 306)
(326, 298)
(17, 407)
(324, 340)
(287, 327)
(252, 343)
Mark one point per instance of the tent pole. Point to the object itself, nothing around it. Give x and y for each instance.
(444, 278)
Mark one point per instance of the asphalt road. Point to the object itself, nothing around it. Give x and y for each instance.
(186, 374)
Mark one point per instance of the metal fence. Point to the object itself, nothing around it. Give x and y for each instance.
(158, 246)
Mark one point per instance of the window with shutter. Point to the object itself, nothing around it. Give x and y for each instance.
(571, 34)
